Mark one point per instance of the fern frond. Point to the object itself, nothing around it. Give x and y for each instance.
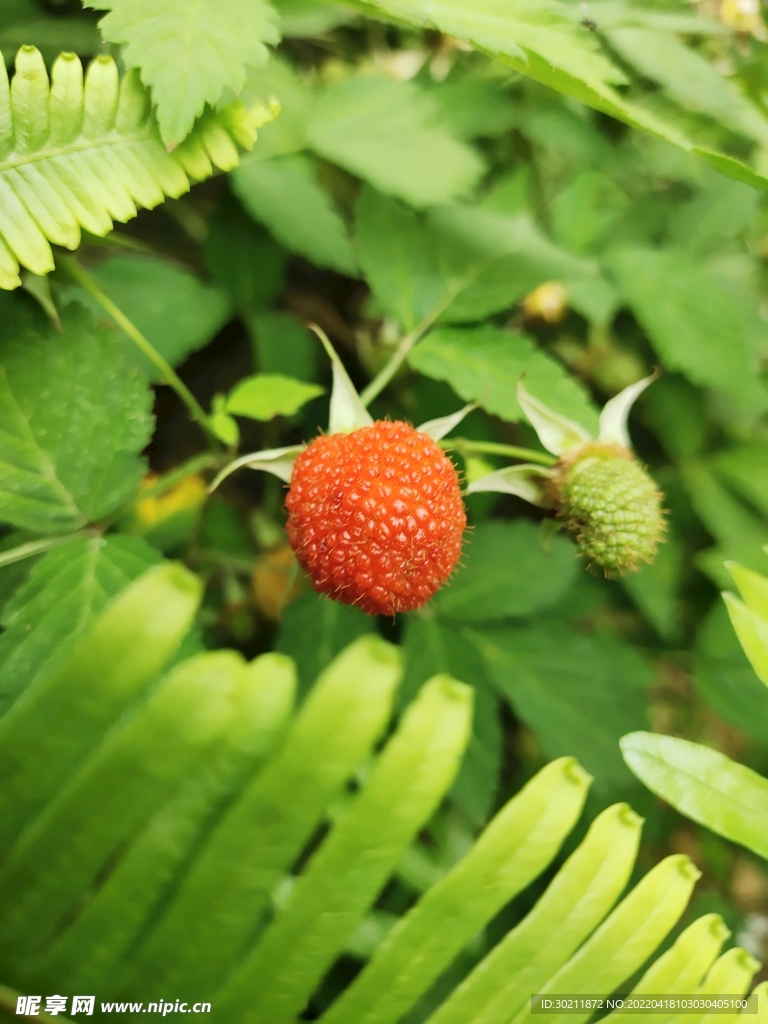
(84, 151)
(121, 872)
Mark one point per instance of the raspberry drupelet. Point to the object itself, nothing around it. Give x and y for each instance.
(376, 517)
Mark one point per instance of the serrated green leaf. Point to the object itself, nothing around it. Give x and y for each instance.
(578, 693)
(283, 194)
(171, 307)
(485, 365)
(67, 459)
(457, 263)
(507, 573)
(688, 78)
(189, 51)
(692, 321)
(282, 345)
(703, 784)
(548, 44)
(388, 133)
(266, 395)
(740, 533)
(473, 108)
(65, 592)
(314, 629)
(518, 30)
(552, 45)
(301, 18)
(432, 647)
(244, 260)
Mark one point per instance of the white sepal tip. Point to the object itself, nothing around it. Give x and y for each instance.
(613, 418)
(347, 410)
(557, 433)
(277, 461)
(437, 429)
(526, 481)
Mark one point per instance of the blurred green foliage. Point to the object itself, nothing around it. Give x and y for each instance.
(576, 197)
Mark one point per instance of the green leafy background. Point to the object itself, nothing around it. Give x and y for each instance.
(431, 166)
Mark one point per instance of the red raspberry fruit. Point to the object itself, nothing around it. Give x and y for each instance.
(376, 517)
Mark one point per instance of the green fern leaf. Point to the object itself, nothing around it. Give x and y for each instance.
(129, 778)
(580, 896)
(80, 153)
(516, 846)
(403, 790)
(120, 877)
(95, 686)
(228, 887)
(189, 51)
(59, 602)
(116, 914)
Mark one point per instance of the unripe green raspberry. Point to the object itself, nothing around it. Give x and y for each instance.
(610, 504)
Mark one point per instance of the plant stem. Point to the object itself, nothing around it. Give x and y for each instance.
(207, 460)
(226, 561)
(169, 375)
(8, 1003)
(387, 372)
(39, 547)
(466, 447)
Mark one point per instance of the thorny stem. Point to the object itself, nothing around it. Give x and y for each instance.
(466, 447)
(169, 375)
